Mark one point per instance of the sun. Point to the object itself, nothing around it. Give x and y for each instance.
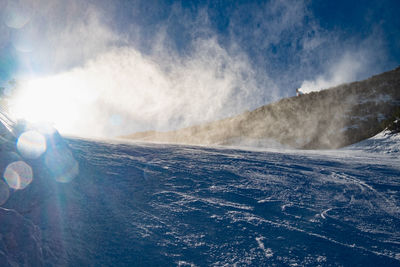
(55, 100)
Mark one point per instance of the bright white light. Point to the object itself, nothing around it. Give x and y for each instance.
(56, 100)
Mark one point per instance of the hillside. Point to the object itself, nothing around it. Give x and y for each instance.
(330, 118)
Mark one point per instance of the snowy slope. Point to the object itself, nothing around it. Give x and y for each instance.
(138, 204)
(383, 143)
(20, 240)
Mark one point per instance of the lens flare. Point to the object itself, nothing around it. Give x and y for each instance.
(18, 175)
(31, 144)
(4, 192)
(62, 165)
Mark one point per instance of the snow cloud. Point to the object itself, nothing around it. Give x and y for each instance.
(355, 62)
(56, 35)
(171, 73)
(131, 90)
(347, 69)
(123, 91)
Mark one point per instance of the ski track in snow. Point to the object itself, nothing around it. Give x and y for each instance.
(154, 204)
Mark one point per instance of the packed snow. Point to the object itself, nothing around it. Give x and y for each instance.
(176, 205)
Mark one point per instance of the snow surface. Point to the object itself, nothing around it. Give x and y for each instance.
(137, 204)
(383, 143)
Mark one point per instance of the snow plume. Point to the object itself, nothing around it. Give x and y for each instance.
(131, 92)
(59, 34)
(355, 62)
(116, 89)
(347, 69)
(123, 91)
(112, 73)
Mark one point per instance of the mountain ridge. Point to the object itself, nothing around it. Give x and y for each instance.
(331, 118)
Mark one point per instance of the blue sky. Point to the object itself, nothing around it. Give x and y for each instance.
(272, 33)
(242, 54)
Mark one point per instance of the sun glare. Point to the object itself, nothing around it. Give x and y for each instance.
(56, 100)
